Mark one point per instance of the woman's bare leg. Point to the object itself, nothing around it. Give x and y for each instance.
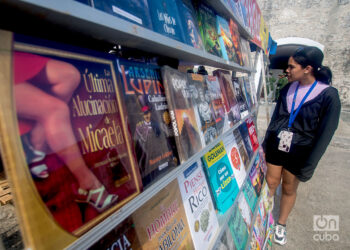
(53, 115)
(273, 177)
(289, 193)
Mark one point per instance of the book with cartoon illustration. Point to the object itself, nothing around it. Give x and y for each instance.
(149, 119)
(238, 229)
(225, 39)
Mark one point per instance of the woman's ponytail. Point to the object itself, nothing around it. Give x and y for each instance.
(323, 74)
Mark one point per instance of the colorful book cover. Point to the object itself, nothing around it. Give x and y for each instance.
(235, 159)
(136, 11)
(238, 229)
(73, 131)
(245, 48)
(226, 241)
(243, 129)
(220, 176)
(263, 161)
(242, 150)
(256, 175)
(236, 39)
(225, 39)
(230, 102)
(250, 194)
(198, 205)
(216, 97)
(161, 222)
(252, 134)
(192, 35)
(122, 237)
(245, 211)
(207, 28)
(182, 113)
(148, 118)
(203, 107)
(245, 86)
(165, 18)
(236, 9)
(240, 96)
(259, 227)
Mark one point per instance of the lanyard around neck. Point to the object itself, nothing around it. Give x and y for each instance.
(293, 114)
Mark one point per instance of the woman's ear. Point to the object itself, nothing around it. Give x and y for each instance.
(308, 69)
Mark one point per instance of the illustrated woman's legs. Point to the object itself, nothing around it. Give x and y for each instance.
(53, 115)
(273, 177)
(289, 193)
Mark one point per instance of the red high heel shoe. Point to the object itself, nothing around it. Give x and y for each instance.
(99, 198)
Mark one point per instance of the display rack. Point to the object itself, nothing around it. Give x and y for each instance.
(99, 26)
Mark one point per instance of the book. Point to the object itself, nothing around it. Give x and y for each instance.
(256, 175)
(182, 113)
(217, 102)
(252, 134)
(165, 18)
(165, 225)
(242, 150)
(122, 237)
(192, 35)
(250, 194)
(225, 39)
(245, 211)
(148, 118)
(245, 48)
(235, 6)
(207, 28)
(203, 107)
(240, 96)
(79, 133)
(229, 99)
(220, 176)
(235, 159)
(243, 130)
(226, 241)
(236, 39)
(238, 229)
(245, 86)
(198, 205)
(135, 11)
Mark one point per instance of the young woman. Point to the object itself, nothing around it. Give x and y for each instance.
(303, 123)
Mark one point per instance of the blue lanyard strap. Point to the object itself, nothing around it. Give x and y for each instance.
(293, 114)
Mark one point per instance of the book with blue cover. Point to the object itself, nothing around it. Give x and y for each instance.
(243, 129)
(190, 27)
(220, 176)
(225, 39)
(136, 11)
(207, 27)
(165, 18)
(250, 194)
(238, 229)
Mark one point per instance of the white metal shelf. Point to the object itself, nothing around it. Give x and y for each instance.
(99, 25)
(89, 238)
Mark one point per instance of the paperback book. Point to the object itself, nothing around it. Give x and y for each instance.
(256, 175)
(238, 229)
(216, 97)
(235, 159)
(229, 99)
(165, 18)
(220, 176)
(242, 150)
(243, 129)
(182, 113)
(250, 194)
(236, 39)
(225, 39)
(161, 222)
(198, 205)
(149, 119)
(135, 11)
(192, 35)
(245, 48)
(245, 86)
(252, 134)
(242, 102)
(203, 107)
(245, 211)
(207, 28)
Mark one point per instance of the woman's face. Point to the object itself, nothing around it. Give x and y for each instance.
(295, 72)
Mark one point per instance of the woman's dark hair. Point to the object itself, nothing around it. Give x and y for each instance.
(313, 56)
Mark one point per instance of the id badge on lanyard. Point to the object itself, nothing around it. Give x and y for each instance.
(286, 135)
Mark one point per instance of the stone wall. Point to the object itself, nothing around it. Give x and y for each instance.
(324, 21)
